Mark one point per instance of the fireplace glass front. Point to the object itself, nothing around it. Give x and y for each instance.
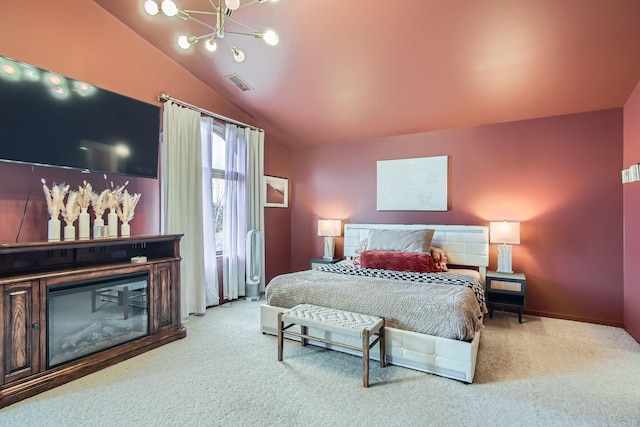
(90, 316)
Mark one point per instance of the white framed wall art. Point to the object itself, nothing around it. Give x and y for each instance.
(276, 192)
(418, 184)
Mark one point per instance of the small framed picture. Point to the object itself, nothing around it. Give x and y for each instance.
(276, 192)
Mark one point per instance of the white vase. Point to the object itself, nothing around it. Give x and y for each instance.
(112, 222)
(84, 225)
(98, 225)
(125, 229)
(69, 232)
(53, 230)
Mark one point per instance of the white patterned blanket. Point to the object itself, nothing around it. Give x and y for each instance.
(444, 305)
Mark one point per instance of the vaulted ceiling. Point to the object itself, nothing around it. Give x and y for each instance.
(355, 69)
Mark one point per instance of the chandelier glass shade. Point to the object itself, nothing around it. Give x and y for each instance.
(215, 31)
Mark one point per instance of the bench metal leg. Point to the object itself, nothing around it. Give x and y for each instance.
(303, 331)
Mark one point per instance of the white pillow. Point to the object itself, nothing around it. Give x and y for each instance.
(400, 240)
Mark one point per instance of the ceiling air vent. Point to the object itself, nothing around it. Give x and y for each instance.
(241, 84)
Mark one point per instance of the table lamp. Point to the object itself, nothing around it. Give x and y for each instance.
(329, 228)
(506, 233)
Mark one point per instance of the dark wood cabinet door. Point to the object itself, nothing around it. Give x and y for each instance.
(21, 330)
(163, 301)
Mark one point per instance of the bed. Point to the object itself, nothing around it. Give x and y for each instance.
(427, 348)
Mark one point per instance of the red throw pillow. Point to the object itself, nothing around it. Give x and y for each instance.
(418, 262)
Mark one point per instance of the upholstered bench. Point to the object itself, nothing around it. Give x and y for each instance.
(331, 320)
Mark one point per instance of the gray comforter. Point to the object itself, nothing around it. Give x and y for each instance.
(446, 310)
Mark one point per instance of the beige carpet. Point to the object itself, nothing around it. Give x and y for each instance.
(544, 372)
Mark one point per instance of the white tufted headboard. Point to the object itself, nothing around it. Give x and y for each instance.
(465, 245)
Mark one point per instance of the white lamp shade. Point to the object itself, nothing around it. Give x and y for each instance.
(151, 7)
(238, 55)
(329, 227)
(183, 42)
(211, 45)
(232, 4)
(506, 232)
(169, 8)
(270, 37)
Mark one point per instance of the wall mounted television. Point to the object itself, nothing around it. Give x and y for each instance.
(47, 119)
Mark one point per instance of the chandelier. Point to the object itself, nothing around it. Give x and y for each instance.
(222, 12)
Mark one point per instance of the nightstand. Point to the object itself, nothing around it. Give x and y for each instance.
(317, 261)
(506, 289)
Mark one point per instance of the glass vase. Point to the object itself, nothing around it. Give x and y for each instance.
(98, 224)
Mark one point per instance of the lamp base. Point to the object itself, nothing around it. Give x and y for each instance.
(504, 259)
(328, 248)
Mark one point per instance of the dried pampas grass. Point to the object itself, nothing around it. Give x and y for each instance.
(55, 197)
(71, 210)
(113, 199)
(127, 205)
(84, 195)
(99, 202)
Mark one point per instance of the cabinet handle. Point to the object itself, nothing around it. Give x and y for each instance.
(36, 326)
(17, 293)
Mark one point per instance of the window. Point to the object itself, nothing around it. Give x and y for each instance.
(214, 134)
(217, 187)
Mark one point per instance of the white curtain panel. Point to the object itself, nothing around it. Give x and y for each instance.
(235, 213)
(210, 261)
(256, 190)
(182, 200)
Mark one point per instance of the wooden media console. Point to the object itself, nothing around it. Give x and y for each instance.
(32, 273)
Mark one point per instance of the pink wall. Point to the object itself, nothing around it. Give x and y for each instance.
(278, 232)
(81, 40)
(631, 195)
(559, 176)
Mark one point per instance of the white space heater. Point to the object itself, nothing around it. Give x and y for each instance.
(253, 265)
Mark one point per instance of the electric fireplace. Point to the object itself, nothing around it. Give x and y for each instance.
(89, 316)
(71, 308)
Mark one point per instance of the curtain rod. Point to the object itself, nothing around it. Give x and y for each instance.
(164, 96)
